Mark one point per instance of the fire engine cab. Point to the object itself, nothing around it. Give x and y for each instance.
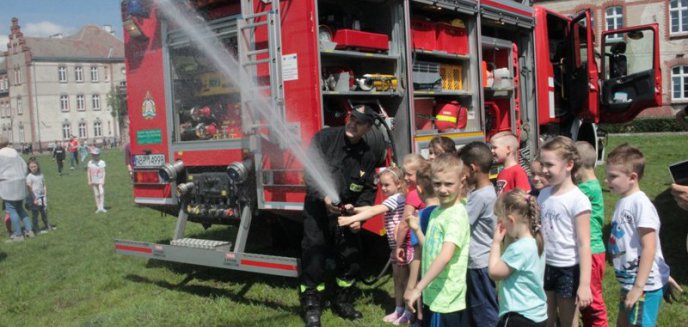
(204, 150)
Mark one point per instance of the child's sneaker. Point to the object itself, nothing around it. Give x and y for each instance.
(43, 231)
(14, 239)
(405, 319)
(29, 234)
(391, 317)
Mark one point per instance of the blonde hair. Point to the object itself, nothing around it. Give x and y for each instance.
(629, 157)
(524, 207)
(412, 159)
(446, 162)
(397, 176)
(566, 150)
(424, 179)
(506, 138)
(587, 154)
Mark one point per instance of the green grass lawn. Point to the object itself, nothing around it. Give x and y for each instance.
(71, 276)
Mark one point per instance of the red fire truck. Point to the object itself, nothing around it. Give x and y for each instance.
(456, 68)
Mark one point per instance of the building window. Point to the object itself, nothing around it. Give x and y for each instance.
(94, 73)
(66, 130)
(64, 102)
(62, 73)
(614, 17)
(79, 74)
(20, 106)
(679, 83)
(678, 13)
(97, 129)
(17, 76)
(21, 133)
(82, 129)
(95, 101)
(80, 102)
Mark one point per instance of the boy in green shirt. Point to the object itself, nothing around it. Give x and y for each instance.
(596, 313)
(445, 250)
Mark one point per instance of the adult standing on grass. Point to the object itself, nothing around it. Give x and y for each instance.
(96, 179)
(13, 188)
(350, 159)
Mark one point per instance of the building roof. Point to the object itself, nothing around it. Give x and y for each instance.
(90, 43)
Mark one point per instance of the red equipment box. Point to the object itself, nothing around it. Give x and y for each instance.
(423, 35)
(452, 39)
(359, 40)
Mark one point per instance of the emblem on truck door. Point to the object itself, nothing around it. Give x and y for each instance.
(148, 107)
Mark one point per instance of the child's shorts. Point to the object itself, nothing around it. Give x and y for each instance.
(644, 312)
(409, 251)
(562, 280)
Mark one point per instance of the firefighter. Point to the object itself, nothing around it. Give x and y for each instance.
(350, 160)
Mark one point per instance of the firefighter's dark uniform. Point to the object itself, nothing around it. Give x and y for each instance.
(352, 167)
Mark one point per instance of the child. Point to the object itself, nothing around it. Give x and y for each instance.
(411, 163)
(419, 224)
(59, 155)
(37, 188)
(596, 313)
(445, 250)
(505, 150)
(482, 294)
(634, 242)
(538, 180)
(393, 187)
(96, 179)
(522, 300)
(439, 145)
(565, 213)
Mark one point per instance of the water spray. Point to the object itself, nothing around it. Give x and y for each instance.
(206, 41)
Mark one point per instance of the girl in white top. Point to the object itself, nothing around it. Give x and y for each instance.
(565, 213)
(393, 187)
(36, 183)
(96, 179)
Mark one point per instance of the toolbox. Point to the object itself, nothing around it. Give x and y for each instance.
(359, 40)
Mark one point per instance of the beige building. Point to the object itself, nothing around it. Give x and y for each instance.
(672, 18)
(58, 86)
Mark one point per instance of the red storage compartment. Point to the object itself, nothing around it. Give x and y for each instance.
(452, 39)
(423, 35)
(359, 40)
(424, 112)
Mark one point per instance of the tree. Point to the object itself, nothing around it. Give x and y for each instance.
(117, 100)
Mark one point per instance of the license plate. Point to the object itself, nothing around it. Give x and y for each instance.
(149, 160)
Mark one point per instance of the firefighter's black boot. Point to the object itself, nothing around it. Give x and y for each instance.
(311, 307)
(343, 304)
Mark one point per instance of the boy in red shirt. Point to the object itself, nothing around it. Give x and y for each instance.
(504, 147)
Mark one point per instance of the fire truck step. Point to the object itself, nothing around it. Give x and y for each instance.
(202, 244)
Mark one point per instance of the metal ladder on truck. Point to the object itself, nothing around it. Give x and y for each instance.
(221, 254)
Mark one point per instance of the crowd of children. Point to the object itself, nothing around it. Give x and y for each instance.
(453, 233)
(36, 199)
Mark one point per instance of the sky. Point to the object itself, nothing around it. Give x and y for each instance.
(48, 17)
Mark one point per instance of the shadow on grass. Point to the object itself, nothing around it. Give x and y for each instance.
(281, 239)
(3, 256)
(211, 292)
